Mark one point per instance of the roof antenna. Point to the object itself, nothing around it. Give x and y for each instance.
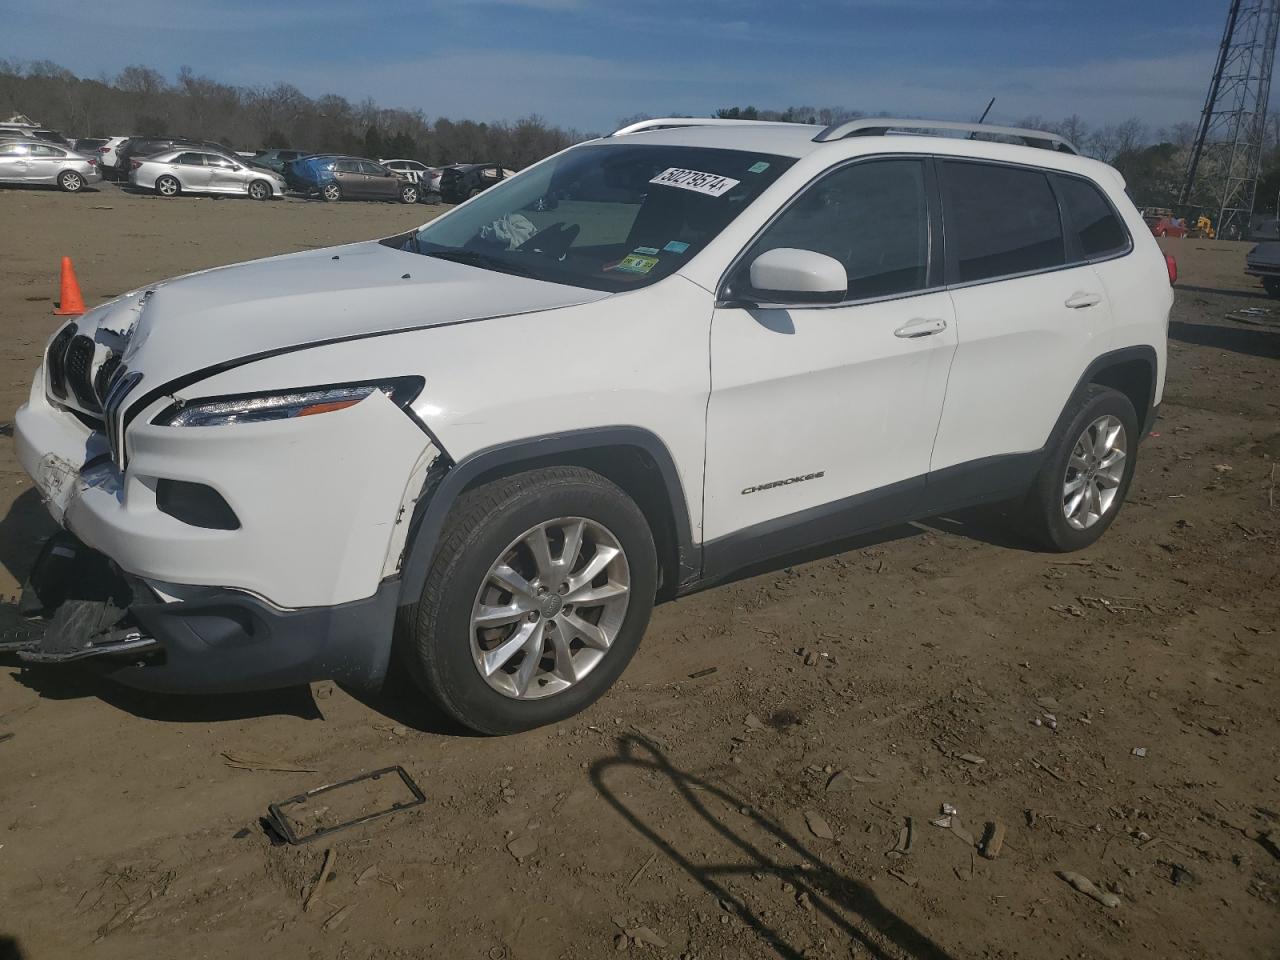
(984, 116)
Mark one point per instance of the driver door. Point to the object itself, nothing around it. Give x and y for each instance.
(822, 418)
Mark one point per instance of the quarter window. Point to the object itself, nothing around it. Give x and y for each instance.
(371, 169)
(1000, 220)
(873, 217)
(1092, 218)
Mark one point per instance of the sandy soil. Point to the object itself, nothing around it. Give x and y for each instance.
(684, 817)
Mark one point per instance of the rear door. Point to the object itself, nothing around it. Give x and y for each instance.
(1030, 314)
(381, 182)
(191, 170)
(822, 417)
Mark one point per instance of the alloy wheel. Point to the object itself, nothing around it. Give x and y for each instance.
(71, 182)
(1095, 471)
(258, 190)
(167, 186)
(550, 608)
(332, 191)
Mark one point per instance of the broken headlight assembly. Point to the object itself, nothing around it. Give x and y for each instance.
(285, 404)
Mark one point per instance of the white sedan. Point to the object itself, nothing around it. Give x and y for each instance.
(201, 171)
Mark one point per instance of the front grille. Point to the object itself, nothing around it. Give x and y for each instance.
(79, 367)
(105, 377)
(56, 362)
(122, 383)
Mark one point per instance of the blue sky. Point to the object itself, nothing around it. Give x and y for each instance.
(586, 63)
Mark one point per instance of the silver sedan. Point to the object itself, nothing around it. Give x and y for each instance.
(35, 161)
(203, 171)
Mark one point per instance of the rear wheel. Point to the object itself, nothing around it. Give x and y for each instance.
(260, 190)
(70, 181)
(168, 186)
(536, 600)
(1086, 473)
(331, 192)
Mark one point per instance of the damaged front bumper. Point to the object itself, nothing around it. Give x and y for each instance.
(82, 607)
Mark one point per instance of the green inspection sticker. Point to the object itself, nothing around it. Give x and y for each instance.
(632, 263)
(759, 167)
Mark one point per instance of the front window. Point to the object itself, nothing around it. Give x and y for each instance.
(608, 217)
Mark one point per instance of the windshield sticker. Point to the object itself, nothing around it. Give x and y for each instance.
(711, 184)
(676, 246)
(636, 264)
(760, 167)
(646, 251)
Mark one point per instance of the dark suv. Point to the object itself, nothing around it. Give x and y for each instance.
(465, 180)
(348, 178)
(149, 146)
(276, 158)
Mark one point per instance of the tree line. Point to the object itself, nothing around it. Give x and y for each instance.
(140, 101)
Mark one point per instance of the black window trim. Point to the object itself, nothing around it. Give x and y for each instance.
(1070, 238)
(934, 275)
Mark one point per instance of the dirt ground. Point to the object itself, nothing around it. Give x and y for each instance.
(1116, 711)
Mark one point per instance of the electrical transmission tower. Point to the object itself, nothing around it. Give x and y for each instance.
(1229, 141)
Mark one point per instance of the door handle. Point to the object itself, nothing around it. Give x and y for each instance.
(920, 327)
(1081, 299)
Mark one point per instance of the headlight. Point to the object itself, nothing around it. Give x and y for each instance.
(285, 404)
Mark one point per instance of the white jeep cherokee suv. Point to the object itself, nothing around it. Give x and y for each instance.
(637, 368)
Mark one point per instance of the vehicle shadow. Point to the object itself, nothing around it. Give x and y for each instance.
(9, 949)
(22, 530)
(401, 701)
(846, 903)
(1251, 342)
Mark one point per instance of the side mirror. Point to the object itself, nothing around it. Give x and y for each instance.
(790, 275)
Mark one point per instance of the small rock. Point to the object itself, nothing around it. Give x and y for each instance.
(818, 826)
(1139, 751)
(621, 942)
(810, 658)
(400, 730)
(803, 902)
(840, 782)
(645, 935)
(753, 722)
(522, 847)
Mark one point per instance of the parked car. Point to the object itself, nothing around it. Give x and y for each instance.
(348, 178)
(33, 132)
(276, 158)
(203, 171)
(88, 145)
(1166, 226)
(150, 146)
(464, 180)
(1263, 262)
(300, 452)
(411, 170)
(106, 153)
(41, 162)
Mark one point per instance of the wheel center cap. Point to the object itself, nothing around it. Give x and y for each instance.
(551, 604)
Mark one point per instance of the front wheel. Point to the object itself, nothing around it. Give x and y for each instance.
(535, 602)
(168, 186)
(260, 190)
(70, 181)
(331, 192)
(1086, 473)
(409, 193)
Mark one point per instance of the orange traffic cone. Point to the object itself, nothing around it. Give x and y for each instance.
(71, 303)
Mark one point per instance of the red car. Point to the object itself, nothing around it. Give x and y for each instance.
(1167, 226)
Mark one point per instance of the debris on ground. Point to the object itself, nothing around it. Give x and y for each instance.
(330, 858)
(992, 839)
(245, 761)
(335, 921)
(818, 826)
(1089, 888)
(1139, 751)
(523, 847)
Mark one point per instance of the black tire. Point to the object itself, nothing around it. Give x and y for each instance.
(70, 182)
(409, 193)
(1043, 518)
(473, 192)
(331, 192)
(431, 197)
(260, 190)
(168, 186)
(436, 632)
(1272, 286)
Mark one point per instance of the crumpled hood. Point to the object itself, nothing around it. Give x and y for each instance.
(246, 310)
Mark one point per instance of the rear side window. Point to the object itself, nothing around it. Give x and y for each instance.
(873, 217)
(347, 166)
(190, 159)
(1093, 219)
(1000, 220)
(371, 169)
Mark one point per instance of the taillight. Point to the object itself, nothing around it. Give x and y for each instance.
(1172, 264)
(135, 164)
(93, 162)
(103, 149)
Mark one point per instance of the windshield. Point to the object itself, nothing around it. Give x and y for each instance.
(606, 216)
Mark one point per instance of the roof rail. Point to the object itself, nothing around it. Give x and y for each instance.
(879, 126)
(666, 123)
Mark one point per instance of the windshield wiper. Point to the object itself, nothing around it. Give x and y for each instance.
(474, 258)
